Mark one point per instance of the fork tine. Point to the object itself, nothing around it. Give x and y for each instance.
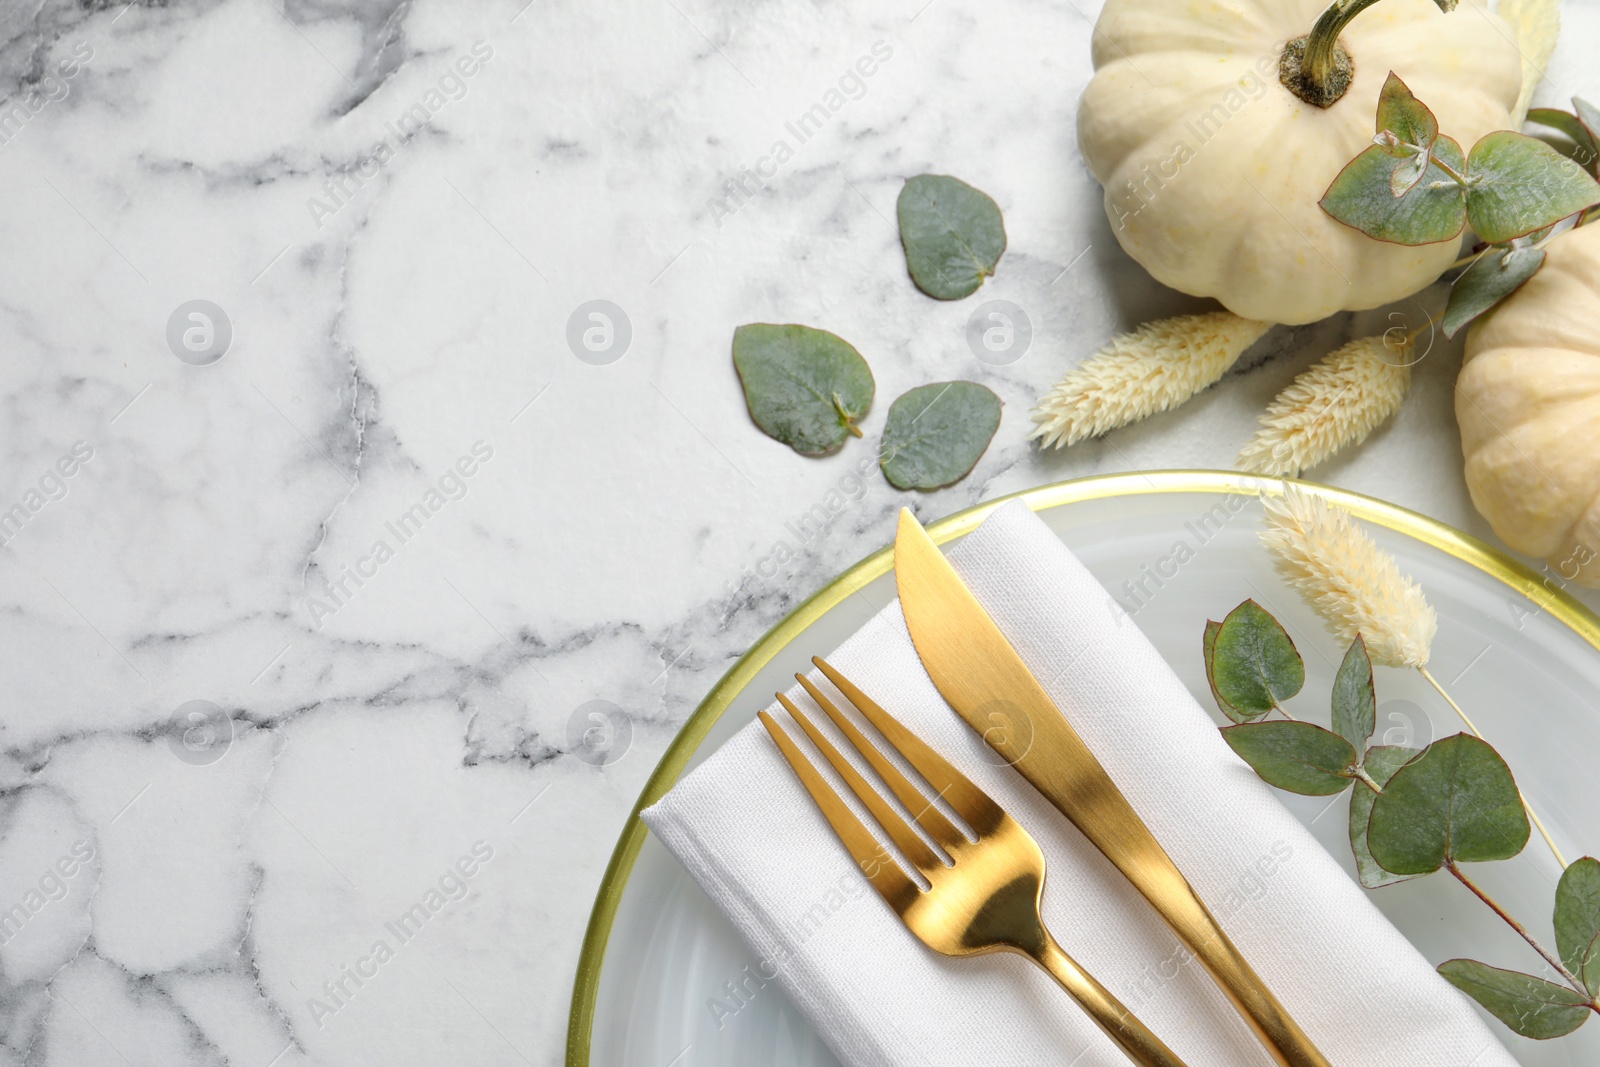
(900, 832)
(931, 819)
(892, 883)
(970, 802)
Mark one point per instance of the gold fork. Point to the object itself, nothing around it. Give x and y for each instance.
(986, 899)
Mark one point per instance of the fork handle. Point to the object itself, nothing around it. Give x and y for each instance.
(1120, 1025)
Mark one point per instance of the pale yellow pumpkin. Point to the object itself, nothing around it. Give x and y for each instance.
(1528, 401)
(1212, 169)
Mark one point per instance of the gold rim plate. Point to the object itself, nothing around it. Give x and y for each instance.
(1516, 575)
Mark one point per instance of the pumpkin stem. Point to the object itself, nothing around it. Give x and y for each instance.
(1316, 67)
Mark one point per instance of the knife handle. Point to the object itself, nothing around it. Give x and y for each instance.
(1062, 768)
(1204, 936)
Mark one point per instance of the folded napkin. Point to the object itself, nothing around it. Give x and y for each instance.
(749, 834)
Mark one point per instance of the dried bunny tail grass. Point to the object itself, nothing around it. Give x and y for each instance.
(1156, 367)
(1534, 24)
(1353, 584)
(1336, 403)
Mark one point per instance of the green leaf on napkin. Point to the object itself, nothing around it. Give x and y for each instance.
(805, 387)
(1254, 666)
(1380, 763)
(1457, 802)
(1296, 756)
(1530, 1006)
(1577, 918)
(936, 433)
(953, 235)
(1355, 706)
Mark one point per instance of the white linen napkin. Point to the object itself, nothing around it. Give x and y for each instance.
(746, 830)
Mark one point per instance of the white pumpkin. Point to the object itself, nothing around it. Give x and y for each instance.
(1212, 169)
(1528, 401)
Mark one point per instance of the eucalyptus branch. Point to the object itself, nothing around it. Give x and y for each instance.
(1522, 931)
(1361, 773)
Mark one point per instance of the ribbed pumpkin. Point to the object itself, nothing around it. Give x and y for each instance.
(1212, 169)
(1528, 401)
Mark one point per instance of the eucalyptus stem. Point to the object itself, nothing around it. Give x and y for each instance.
(1455, 175)
(1532, 815)
(1549, 957)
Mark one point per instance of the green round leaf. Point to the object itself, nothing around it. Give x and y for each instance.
(1434, 209)
(953, 235)
(1577, 918)
(1296, 756)
(1491, 278)
(1531, 1007)
(1457, 802)
(1516, 184)
(1255, 667)
(804, 387)
(936, 433)
(1380, 763)
(1355, 706)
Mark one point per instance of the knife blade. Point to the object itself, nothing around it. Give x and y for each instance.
(983, 678)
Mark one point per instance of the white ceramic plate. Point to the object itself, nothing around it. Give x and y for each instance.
(1519, 655)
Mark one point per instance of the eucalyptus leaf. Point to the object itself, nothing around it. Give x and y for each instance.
(1255, 667)
(1492, 277)
(1456, 802)
(1588, 970)
(1583, 142)
(1209, 643)
(936, 433)
(1589, 118)
(953, 235)
(1432, 210)
(1297, 756)
(1355, 705)
(1408, 172)
(1556, 119)
(1589, 115)
(1517, 183)
(1405, 117)
(1380, 763)
(1577, 918)
(1530, 1006)
(805, 387)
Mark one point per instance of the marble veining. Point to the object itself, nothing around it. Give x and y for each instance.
(392, 558)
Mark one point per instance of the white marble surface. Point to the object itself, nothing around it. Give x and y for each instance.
(383, 737)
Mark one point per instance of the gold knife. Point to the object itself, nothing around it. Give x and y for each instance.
(978, 672)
